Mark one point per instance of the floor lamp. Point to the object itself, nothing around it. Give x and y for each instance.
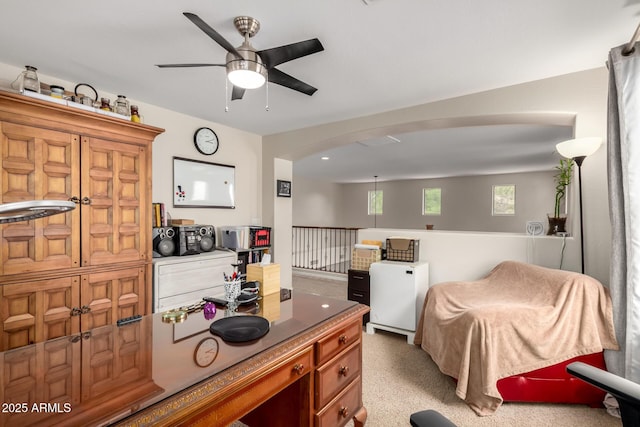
(577, 150)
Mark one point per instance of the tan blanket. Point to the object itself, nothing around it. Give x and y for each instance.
(517, 319)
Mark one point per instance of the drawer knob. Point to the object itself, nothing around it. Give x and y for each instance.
(298, 368)
(344, 371)
(344, 412)
(342, 339)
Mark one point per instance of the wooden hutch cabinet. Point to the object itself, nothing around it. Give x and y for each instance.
(81, 377)
(88, 267)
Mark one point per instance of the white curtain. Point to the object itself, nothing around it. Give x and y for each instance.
(623, 145)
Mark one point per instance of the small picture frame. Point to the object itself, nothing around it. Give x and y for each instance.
(283, 188)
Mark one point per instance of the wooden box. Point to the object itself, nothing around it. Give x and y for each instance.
(268, 276)
(270, 306)
(178, 221)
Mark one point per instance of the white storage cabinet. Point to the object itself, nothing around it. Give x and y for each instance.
(397, 292)
(184, 280)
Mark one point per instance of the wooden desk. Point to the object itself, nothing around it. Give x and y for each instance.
(306, 371)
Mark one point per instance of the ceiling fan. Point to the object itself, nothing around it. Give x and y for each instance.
(248, 68)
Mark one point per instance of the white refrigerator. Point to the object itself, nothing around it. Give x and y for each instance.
(397, 292)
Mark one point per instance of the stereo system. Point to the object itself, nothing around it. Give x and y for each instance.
(183, 240)
(163, 243)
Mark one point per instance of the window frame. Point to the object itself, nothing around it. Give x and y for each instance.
(424, 200)
(372, 196)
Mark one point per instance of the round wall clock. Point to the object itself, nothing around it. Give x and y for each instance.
(206, 352)
(206, 141)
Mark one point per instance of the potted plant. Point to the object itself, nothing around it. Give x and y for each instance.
(562, 179)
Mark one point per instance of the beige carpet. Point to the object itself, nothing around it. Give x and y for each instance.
(399, 379)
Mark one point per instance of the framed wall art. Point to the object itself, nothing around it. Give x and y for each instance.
(283, 188)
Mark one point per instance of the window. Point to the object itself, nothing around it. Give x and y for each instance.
(431, 201)
(375, 202)
(504, 199)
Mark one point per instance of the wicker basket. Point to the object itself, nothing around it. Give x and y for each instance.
(401, 249)
(361, 259)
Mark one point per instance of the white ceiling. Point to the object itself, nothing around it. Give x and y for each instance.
(379, 55)
(473, 150)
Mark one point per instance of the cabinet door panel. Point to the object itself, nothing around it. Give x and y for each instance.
(113, 295)
(38, 311)
(114, 357)
(114, 223)
(47, 372)
(39, 164)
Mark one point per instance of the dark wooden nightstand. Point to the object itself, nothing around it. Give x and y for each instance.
(358, 289)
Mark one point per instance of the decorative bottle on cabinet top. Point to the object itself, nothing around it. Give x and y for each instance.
(121, 106)
(135, 115)
(30, 79)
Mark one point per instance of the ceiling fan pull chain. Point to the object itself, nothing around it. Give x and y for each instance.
(266, 107)
(226, 95)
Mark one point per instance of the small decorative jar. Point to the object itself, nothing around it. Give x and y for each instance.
(105, 104)
(135, 115)
(57, 91)
(30, 79)
(121, 106)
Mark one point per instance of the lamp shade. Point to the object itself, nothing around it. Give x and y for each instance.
(579, 147)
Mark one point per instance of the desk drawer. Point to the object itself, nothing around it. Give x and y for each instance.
(336, 374)
(341, 409)
(359, 280)
(240, 401)
(360, 296)
(331, 345)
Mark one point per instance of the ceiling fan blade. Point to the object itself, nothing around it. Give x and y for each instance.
(237, 93)
(212, 33)
(188, 65)
(279, 55)
(283, 79)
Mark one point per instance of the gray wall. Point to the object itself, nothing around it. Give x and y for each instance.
(466, 203)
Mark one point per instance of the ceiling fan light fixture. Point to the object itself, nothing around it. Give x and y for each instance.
(246, 74)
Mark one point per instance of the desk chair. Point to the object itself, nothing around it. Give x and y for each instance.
(626, 392)
(429, 418)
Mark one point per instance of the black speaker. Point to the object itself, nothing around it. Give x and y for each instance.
(207, 238)
(163, 244)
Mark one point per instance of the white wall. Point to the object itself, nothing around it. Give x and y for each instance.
(454, 255)
(583, 94)
(318, 203)
(238, 148)
(282, 207)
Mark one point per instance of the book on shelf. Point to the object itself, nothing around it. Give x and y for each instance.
(159, 215)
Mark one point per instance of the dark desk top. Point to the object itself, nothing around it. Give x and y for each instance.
(169, 349)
